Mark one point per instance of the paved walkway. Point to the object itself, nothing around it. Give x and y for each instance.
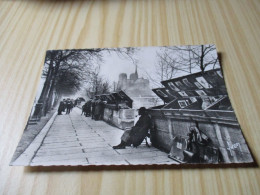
(77, 140)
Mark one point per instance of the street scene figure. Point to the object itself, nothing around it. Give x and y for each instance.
(86, 109)
(69, 106)
(83, 108)
(137, 134)
(93, 108)
(194, 139)
(99, 110)
(62, 107)
(178, 93)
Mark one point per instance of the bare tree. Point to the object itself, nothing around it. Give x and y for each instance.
(96, 84)
(183, 60)
(195, 57)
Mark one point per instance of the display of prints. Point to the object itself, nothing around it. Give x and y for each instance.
(161, 93)
(182, 93)
(168, 91)
(201, 92)
(203, 82)
(182, 103)
(186, 82)
(198, 85)
(213, 99)
(206, 102)
(173, 87)
(179, 84)
(193, 99)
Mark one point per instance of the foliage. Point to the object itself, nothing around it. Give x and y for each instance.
(67, 71)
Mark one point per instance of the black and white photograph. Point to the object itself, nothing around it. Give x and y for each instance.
(132, 106)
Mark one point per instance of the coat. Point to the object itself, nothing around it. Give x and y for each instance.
(99, 108)
(137, 134)
(61, 106)
(69, 104)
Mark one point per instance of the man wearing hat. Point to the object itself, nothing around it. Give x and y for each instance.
(69, 106)
(61, 107)
(137, 134)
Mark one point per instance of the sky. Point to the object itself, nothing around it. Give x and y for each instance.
(146, 58)
(114, 65)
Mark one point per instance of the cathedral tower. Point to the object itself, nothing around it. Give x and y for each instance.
(134, 76)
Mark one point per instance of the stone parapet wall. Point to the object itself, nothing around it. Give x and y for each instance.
(123, 118)
(222, 128)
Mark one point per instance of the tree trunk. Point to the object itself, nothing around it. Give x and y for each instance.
(46, 104)
(40, 104)
(190, 65)
(47, 82)
(201, 58)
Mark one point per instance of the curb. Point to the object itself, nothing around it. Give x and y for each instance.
(26, 157)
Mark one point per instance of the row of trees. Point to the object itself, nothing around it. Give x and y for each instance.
(66, 71)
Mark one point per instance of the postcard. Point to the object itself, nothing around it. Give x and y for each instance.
(132, 106)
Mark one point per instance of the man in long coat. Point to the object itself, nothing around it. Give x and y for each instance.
(137, 134)
(88, 108)
(97, 109)
(93, 104)
(61, 107)
(69, 106)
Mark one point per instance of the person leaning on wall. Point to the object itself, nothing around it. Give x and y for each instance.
(137, 134)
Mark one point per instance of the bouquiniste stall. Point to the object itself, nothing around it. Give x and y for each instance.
(197, 122)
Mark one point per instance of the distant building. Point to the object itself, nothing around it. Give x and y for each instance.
(138, 89)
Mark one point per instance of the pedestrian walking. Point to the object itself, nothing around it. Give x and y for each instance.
(61, 107)
(83, 110)
(98, 110)
(69, 106)
(88, 108)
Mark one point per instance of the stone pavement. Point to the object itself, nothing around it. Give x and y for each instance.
(78, 140)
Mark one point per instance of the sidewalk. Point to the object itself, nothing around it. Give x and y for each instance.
(29, 134)
(77, 140)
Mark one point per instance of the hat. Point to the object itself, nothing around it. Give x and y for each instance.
(142, 109)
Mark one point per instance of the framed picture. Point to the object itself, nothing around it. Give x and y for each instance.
(198, 85)
(203, 82)
(182, 103)
(173, 87)
(201, 92)
(187, 83)
(183, 93)
(162, 93)
(193, 99)
(179, 84)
